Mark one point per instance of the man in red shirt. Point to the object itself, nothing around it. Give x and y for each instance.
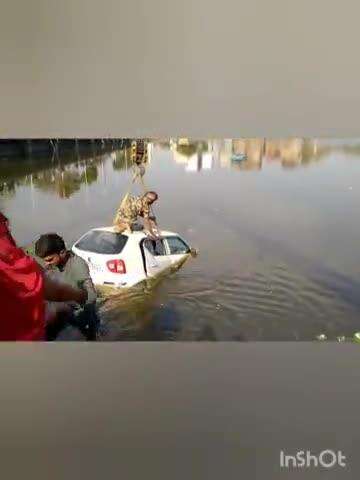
(23, 291)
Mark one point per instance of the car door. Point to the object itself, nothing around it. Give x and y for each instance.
(156, 256)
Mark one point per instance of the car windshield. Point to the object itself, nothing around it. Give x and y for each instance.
(98, 241)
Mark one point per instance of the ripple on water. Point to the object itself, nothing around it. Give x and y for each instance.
(281, 304)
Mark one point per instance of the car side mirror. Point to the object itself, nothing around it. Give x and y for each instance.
(193, 252)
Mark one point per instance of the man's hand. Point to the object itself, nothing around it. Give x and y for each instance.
(152, 229)
(152, 237)
(55, 310)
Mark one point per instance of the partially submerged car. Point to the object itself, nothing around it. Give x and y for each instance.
(122, 260)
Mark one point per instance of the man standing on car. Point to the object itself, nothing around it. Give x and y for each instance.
(135, 207)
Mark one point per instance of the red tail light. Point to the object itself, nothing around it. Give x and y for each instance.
(116, 266)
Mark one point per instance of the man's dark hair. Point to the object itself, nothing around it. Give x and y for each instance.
(49, 244)
(152, 194)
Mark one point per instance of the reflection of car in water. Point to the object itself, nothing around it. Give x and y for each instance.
(124, 260)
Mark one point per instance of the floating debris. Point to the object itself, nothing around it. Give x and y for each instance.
(238, 157)
(341, 338)
(321, 337)
(357, 337)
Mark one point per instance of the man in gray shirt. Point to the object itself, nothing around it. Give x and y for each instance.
(72, 270)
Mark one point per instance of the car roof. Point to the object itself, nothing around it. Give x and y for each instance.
(139, 234)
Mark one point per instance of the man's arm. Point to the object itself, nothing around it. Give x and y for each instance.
(149, 225)
(84, 280)
(88, 286)
(61, 292)
(149, 221)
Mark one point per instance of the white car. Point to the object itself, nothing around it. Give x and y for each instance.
(121, 260)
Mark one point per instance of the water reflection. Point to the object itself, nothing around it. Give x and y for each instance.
(247, 154)
(64, 175)
(8, 188)
(60, 175)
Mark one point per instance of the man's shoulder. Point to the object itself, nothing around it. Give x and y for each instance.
(77, 260)
(134, 199)
(130, 201)
(140, 201)
(78, 265)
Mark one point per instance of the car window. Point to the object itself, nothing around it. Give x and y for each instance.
(155, 247)
(177, 246)
(107, 243)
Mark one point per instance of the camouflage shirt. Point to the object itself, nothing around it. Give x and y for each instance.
(134, 207)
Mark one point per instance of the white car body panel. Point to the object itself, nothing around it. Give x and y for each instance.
(132, 256)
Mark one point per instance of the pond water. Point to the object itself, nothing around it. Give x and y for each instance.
(275, 221)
